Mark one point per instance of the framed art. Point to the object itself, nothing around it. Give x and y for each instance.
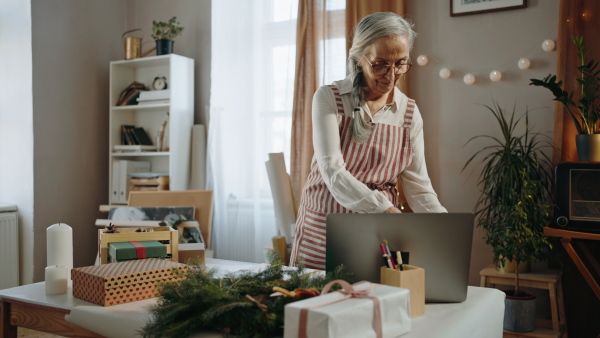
(466, 7)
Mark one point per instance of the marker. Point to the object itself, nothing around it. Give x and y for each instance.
(387, 249)
(399, 258)
(386, 256)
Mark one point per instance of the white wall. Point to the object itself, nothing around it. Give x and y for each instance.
(16, 122)
(451, 110)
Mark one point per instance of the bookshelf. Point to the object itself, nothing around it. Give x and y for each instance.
(176, 158)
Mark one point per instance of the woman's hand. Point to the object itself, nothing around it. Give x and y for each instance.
(392, 210)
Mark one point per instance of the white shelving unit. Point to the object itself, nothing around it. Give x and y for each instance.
(179, 71)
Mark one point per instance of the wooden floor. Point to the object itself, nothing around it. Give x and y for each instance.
(23, 332)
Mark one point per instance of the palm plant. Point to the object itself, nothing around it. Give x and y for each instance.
(516, 184)
(585, 113)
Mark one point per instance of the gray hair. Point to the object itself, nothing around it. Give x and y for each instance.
(369, 29)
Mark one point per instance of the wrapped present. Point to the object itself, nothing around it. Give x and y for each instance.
(126, 251)
(359, 310)
(124, 282)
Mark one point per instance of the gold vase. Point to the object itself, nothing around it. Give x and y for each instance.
(505, 266)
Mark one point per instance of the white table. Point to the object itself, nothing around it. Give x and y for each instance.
(480, 316)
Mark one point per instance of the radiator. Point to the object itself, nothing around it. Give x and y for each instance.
(247, 224)
(9, 247)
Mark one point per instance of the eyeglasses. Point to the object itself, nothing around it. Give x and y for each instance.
(382, 69)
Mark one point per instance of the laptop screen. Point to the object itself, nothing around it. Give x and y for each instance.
(438, 243)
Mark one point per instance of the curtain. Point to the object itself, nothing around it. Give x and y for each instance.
(252, 69)
(576, 18)
(319, 60)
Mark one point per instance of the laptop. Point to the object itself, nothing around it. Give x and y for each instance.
(439, 243)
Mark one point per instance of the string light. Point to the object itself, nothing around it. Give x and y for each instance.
(495, 75)
(445, 73)
(524, 63)
(422, 60)
(548, 45)
(469, 79)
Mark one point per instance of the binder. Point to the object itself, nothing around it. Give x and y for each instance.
(114, 184)
(126, 167)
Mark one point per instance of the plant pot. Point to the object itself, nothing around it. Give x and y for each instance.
(519, 311)
(588, 147)
(510, 267)
(164, 46)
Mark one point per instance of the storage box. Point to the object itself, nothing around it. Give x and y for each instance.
(124, 282)
(337, 315)
(130, 234)
(127, 251)
(411, 278)
(189, 251)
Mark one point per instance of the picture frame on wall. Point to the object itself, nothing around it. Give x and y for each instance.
(467, 7)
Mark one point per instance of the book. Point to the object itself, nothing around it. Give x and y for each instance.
(133, 148)
(153, 101)
(130, 93)
(142, 137)
(127, 137)
(155, 95)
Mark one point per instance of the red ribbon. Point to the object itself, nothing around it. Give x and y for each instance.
(140, 250)
(349, 292)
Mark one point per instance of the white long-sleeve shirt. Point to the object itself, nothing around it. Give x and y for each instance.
(345, 188)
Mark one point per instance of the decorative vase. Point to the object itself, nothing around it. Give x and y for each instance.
(164, 46)
(588, 147)
(504, 266)
(519, 311)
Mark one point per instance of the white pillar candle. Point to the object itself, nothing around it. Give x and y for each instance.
(56, 279)
(59, 245)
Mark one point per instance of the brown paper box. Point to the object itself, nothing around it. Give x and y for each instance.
(124, 282)
(411, 278)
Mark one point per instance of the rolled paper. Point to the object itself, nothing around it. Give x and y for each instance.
(56, 280)
(59, 245)
(281, 189)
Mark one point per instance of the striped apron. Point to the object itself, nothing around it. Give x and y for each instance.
(377, 163)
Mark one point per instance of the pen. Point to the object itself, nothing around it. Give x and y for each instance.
(387, 249)
(399, 258)
(386, 256)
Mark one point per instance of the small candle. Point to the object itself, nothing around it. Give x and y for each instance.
(56, 280)
(59, 245)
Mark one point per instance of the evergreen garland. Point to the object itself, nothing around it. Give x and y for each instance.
(237, 304)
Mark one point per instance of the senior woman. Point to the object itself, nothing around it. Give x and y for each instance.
(366, 135)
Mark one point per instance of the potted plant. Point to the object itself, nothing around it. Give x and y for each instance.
(163, 33)
(514, 205)
(585, 112)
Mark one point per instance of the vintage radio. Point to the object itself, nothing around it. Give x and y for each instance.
(578, 196)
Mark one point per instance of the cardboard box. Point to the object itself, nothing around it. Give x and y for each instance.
(124, 282)
(336, 314)
(189, 251)
(127, 251)
(411, 278)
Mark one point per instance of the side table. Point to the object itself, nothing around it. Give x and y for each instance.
(566, 238)
(546, 280)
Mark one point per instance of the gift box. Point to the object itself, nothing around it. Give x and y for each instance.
(411, 278)
(126, 251)
(360, 310)
(124, 282)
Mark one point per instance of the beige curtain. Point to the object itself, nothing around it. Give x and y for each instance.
(313, 27)
(576, 18)
(310, 31)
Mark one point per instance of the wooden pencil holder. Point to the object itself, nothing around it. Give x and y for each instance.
(411, 278)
